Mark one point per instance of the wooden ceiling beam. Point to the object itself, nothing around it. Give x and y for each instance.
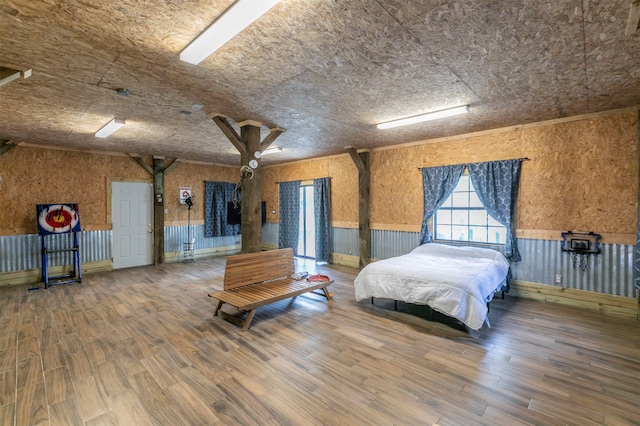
(6, 146)
(7, 75)
(268, 140)
(356, 158)
(250, 123)
(634, 18)
(172, 165)
(228, 130)
(140, 161)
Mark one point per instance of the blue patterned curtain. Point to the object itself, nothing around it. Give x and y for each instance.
(636, 262)
(496, 184)
(322, 214)
(636, 269)
(217, 196)
(437, 183)
(289, 208)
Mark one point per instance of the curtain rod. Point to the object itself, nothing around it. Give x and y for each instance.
(479, 162)
(285, 181)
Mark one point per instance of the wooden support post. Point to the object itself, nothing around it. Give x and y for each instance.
(634, 18)
(637, 258)
(158, 211)
(361, 161)
(157, 171)
(5, 147)
(7, 75)
(251, 190)
(247, 143)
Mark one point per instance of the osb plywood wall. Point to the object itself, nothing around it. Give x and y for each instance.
(582, 175)
(397, 181)
(192, 175)
(344, 185)
(33, 176)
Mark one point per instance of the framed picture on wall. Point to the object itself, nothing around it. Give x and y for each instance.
(185, 192)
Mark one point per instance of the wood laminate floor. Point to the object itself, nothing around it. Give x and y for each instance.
(140, 347)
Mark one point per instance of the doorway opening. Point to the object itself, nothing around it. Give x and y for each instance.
(307, 230)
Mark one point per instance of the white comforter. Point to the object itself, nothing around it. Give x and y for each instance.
(457, 281)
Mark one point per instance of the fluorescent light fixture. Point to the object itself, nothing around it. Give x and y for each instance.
(273, 150)
(109, 128)
(425, 117)
(235, 19)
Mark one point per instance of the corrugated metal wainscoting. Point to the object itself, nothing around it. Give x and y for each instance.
(609, 272)
(345, 241)
(384, 244)
(22, 252)
(270, 234)
(176, 236)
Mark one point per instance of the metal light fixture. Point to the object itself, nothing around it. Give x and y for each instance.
(425, 117)
(109, 128)
(240, 15)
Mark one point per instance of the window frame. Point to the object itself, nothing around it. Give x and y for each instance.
(489, 224)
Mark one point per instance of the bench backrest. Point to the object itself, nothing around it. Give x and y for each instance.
(251, 268)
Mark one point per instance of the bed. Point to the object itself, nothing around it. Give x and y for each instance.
(456, 281)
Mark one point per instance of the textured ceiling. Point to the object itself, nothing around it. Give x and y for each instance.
(325, 70)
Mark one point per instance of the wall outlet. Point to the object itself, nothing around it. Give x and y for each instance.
(558, 279)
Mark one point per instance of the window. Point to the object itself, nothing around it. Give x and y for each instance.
(462, 217)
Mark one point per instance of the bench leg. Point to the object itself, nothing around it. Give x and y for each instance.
(218, 306)
(248, 319)
(327, 294)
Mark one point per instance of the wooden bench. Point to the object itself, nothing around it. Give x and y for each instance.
(252, 280)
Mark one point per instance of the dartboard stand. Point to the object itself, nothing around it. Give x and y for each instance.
(57, 221)
(75, 276)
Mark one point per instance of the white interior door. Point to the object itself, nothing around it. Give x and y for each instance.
(132, 219)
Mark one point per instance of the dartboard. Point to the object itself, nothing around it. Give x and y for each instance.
(58, 218)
